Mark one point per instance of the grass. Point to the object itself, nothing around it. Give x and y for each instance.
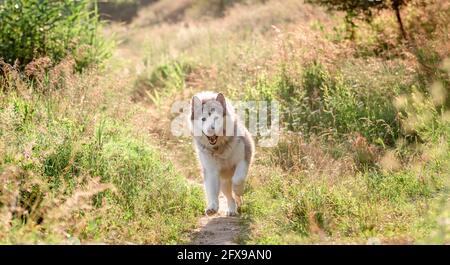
(321, 200)
(353, 166)
(80, 175)
(362, 157)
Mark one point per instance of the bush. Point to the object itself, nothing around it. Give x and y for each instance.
(31, 29)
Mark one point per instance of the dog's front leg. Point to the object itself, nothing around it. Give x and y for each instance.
(238, 180)
(212, 187)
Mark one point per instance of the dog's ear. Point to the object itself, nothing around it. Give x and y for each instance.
(196, 107)
(221, 99)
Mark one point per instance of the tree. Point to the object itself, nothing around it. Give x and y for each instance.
(396, 5)
(363, 9)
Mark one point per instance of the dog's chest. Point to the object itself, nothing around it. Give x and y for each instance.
(230, 156)
(225, 163)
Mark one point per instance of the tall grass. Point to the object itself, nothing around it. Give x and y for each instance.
(75, 174)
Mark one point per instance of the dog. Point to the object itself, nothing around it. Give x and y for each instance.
(224, 147)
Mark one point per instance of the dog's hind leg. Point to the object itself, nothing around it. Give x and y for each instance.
(225, 186)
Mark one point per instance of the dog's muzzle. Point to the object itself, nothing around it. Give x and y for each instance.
(212, 139)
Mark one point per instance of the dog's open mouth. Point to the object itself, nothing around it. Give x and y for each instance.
(212, 139)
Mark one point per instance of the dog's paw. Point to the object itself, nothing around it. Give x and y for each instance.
(232, 209)
(238, 200)
(231, 213)
(210, 211)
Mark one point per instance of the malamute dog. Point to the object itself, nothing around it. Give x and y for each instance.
(225, 149)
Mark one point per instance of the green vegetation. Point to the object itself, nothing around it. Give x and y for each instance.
(69, 165)
(72, 170)
(363, 156)
(31, 29)
(364, 10)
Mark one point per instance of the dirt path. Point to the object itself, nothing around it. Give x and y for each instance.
(218, 229)
(211, 230)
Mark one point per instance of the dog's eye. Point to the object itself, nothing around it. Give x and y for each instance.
(203, 119)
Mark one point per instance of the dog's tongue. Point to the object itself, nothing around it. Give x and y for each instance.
(212, 139)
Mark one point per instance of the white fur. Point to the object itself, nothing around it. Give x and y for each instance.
(225, 164)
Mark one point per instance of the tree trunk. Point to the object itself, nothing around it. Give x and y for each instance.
(396, 7)
(222, 7)
(350, 26)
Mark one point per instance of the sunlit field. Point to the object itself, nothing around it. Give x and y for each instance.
(87, 154)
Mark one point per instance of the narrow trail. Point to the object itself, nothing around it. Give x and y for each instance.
(218, 229)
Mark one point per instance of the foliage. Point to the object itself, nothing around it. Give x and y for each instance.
(30, 29)
(363, 9)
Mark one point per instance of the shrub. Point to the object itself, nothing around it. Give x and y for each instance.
(31, 29)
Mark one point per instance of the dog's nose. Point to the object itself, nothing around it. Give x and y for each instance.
(210, 132)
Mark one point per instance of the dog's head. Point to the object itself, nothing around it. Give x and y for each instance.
(208, 112)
